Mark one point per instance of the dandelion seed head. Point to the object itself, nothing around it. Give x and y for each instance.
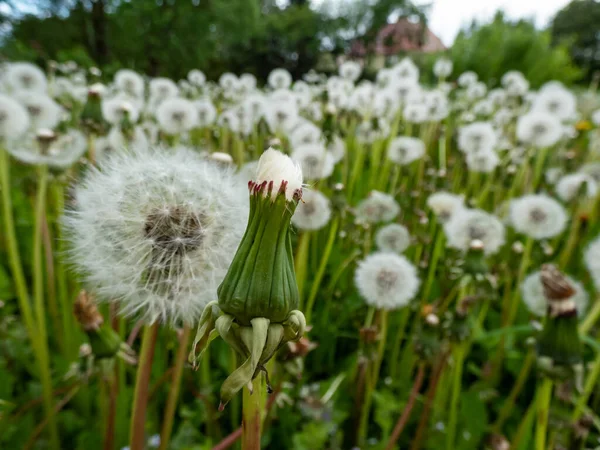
(534, 298)
(45, 147)
(569, 186)
(444, 204)
(279, 79)
(14, 119)
(538, 216)
(386, 280)
(377, 207)
(43, 111)
(442, 68)
(403, 150)
(130, 83)
(23, 76)
(393, 238)
(539, 129)
(467, 225)
(313, 212)
(591, 259)
(176, 115)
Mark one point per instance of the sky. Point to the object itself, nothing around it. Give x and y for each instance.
(447, 17)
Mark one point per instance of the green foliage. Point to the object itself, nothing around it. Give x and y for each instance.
(578, 25)
(516, 46)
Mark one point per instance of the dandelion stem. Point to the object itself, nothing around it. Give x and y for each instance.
(459, 356)
(140, 397)
(253, 406)
(301, 262)
(543, 398)
(590, 319)
(590, 383)
(180, 358)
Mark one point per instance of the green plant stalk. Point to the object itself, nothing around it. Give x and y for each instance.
(316, 283)
(524, 427)
(459, 357)
(301, 262)
(540, 160)
(516, 298)
(543, 398)
(373, 378)
(395, 356)
(509, 403)
(438, 248)
(137, 436)
(357, 169)
(253, 406)
(234, 405)
(169, 415)
(590, 383)
(13, 251)
(565, 255)
(39, 306)
(590, 319)
(57, 326)
(375, 156)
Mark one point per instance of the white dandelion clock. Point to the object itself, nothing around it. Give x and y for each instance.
(156, 231)
(350, 70)
(484, 161)
(274, 166)
(59, 151)
(392, 238)
(123, 140)
(130, 82)
(14, 119)
(377, 207)
(386, 281)
(23, 76)
(279, 79)
(196, 77)
(591, 258)
(248, 82)
(337, 149)
(305, 133)
(468, 225)
(539, 129)
(476, 90)
(557, 101)
(207, 113)
(403, 150)
(228, 81)
(477, 137)
(43, 111)
(406, 69)
(442, 68)
(538, 216)
(416, 113)
(313, 212)
(592, 169)
(177, 115)
(116, 108)
(281, 116)
(316, 162)
(444, 204)
(569, 186)
(162, 89)
(466, 79)
(515, 83)
(532, 291)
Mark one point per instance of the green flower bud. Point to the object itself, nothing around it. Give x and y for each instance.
(257, 300)
(91, 116)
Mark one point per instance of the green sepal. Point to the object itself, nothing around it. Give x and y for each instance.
(559, 341)
(105, 342)
(205, 334)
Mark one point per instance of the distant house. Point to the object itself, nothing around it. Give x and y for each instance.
(394, 38)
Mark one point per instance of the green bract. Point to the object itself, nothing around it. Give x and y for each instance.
(257, 300)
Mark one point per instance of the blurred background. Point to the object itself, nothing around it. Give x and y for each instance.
(545, 39)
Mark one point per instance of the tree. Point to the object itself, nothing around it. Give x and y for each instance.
(495, 48)
(578, 25)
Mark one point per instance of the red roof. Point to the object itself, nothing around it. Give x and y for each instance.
(402, 36)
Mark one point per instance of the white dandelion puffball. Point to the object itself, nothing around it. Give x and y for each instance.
(538, 216)
(404, 150)
(43, 111)
(377, 207)
(477, 137)
(476, 90)
(281, 116)
(59, 151)
(444, 204)
(442, 68)
(196, 77)
(350, 70)
(386, 280)
(559, 102)
(279, 79)
(592, 169)
(305, 133)
(406, 69)
(532, 291)
(596, 117)
(156, 231)
(313, 212)
(392, 238)
(115, 109)
(248, 81)
(467, 79)
(468, 225)
(539, 129)
(14, 119)
(316, 162)
(515, 83)
(133, 139)
(176, 115)
(416, 113)
(129, 82)
(569, 186)
(591, 259)
(162, 89)
(274, 166)
(207, 113)
(23, 76)
(484, 161)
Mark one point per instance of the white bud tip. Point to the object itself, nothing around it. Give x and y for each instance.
(476, 244)
(274, 166)
(221, 157)
(97, 89)
(45, 133)
(432, 320)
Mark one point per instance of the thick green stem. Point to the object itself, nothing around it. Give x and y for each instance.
(252, 412)
(316, 283)
(590, 319)
(544, 396)
(40, 307)
(142, 381)
(169, 415)
(301, 262)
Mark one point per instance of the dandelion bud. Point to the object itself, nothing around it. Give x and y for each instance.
(559, 340)
(91, 116)
(221, 158)
(475, 258)
(256, 311)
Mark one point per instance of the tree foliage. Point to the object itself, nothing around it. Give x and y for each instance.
(493, 49)
(578, 24)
